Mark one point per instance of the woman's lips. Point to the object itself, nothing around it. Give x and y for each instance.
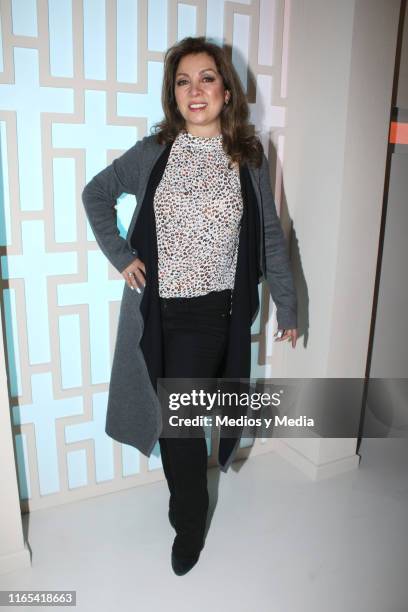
(195, 110)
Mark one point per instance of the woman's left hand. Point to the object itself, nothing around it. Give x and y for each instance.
(287, 335)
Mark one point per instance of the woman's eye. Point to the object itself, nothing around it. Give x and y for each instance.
(209, 78)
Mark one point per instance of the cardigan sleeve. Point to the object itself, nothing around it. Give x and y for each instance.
(99, 198)
(277, 264)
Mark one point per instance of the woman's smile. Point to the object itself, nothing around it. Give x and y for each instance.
(194, 107)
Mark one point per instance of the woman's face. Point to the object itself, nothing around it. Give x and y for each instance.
(198, 81)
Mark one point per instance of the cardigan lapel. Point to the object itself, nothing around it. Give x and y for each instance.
(145, 240)
(245, 304)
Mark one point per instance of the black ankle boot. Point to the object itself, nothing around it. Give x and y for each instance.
(182, 565)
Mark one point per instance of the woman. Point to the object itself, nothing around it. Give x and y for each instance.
(204, 233)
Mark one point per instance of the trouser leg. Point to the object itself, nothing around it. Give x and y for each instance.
(167, 468)
(189, 499)
(195, 335)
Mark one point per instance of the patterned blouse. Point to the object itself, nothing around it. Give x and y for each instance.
(198, 209)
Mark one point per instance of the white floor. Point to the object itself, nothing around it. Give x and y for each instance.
(277, 543)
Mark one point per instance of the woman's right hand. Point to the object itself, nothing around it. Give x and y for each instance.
(134, 275)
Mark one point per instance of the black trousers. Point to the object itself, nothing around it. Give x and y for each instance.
(195, 332)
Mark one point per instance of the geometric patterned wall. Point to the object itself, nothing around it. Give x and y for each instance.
(79, 84)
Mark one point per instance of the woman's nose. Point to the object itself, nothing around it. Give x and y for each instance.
(195, 88)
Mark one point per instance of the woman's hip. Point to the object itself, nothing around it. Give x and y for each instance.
(214, 305)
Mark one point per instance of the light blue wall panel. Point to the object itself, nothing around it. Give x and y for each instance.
(127, 39)
(215, 20)
(76, 465)
(154, 461)
(240, 52)
(95, 136)
(157, 25)
(5, 219)
(34, 265)
(29, 100)
(246, 442)
(186, 21)
(1, 46)
(65, 199)
(70, 351)
(144, 104)
(125, 207)
(43, 413)
(94, 39)
(95, 430)
(61, 38)
(23, 467)
(208, 440)
(24, 16)
(130, 460)
(12, 340)
(97, 292)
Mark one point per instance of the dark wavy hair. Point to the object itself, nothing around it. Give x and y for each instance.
(239, 140)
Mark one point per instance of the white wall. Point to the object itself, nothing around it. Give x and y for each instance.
(340, 80)
(341, 68)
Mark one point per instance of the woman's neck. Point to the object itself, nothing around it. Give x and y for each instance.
(209, 133)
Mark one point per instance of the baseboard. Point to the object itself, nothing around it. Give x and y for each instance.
(15, 561)
(310, 469)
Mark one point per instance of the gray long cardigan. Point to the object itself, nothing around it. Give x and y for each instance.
(132, 399)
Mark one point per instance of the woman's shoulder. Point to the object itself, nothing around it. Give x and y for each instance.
(145, 148)
(149, 143)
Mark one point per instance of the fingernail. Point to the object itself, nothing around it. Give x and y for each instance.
(138, 290)
(131, 288)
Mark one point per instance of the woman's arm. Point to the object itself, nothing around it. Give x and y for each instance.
(99, 198)
(278, 270)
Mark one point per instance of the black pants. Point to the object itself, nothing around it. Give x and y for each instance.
(195, 332)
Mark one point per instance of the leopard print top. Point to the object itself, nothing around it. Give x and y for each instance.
(198, 209)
